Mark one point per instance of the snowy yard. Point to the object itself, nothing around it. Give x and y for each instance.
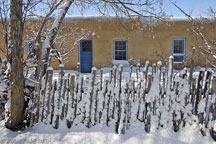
(45, 134)
(100, 134)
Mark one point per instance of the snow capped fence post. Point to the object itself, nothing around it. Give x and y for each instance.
(137, 72)
(198, 92)
(43, 95)
(101, 78)
(153, 69)
(105, 115)
(37, 94)
(159, 64)
(72, 105)
(57, 111)
(90, 96)
(95, 100)
(114, 75)
(192, 67)
(170, 84)
(170, 73)
(118, 98)
(110, 76)
(67, 95)
(47, 94)
(123, 112)
(54, 88)
(62, 99)
(149, 78)
(159, 76)
(145, 75)
(101, 103)
(120, 75)
(130, 75)
(78, 67)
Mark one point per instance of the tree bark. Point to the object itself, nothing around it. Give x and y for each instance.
(17, 78)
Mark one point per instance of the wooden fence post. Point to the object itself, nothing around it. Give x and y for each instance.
(149, 82)
(114, 75)
(153, 69)
(131, 71)
(198, 91)
(192, 67)
(101, 78)
(145, 74)
(92, 82)
(78, 67)
(54, 88)
(58, 97)
(170, 73)
(43, 95)
(72, 103)
(137, 72)
(159, 75)
(63, 102)
(67, 94)
(47, 94)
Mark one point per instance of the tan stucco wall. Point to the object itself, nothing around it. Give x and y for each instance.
(143, 44)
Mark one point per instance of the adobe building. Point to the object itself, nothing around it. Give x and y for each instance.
(111, 40)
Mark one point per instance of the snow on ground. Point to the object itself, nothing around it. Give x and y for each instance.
(45, 134)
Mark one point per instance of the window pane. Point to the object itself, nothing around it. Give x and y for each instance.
(86, 45)
(117, 53)
(124, 57)
(120, 50)
(121, 53)
(178, 46)
(178, 58)
(117, 57)
(116, 47)
(120, 42)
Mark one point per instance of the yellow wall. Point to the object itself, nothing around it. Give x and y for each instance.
(143, 44)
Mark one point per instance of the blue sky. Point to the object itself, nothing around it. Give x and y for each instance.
(197, 7)
(194, 6)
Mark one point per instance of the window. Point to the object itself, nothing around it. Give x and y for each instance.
(86, 45)
(120, 50)
(178, 50)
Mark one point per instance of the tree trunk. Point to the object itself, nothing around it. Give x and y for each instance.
(17, 78)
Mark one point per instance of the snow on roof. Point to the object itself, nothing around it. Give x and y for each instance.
(147, 21)
(97, 17)
(111, 17)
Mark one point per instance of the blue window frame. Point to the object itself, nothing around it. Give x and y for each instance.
(120, 50)
(28, 47)
(178, 50)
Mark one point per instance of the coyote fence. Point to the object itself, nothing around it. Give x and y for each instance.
(160, 98)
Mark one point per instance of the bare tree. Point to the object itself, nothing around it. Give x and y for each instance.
(204, 39)
(17, 78)
(43, 43)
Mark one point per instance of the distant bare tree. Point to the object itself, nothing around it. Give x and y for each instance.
(204, 37)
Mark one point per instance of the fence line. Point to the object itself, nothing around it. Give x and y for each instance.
(159, 99)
